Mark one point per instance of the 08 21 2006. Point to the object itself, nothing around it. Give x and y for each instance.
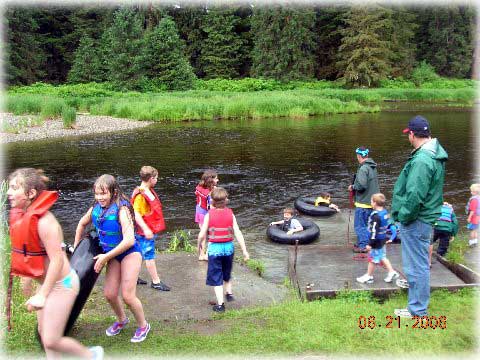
(396, 322)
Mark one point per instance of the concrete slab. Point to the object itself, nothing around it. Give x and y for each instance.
(472, 259)
(324, 270)
(189, 296)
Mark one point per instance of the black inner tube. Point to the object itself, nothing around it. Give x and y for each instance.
(306, 205)
(310, 232)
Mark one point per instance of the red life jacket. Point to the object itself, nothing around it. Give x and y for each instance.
(220, 225)
(202, 196)
(27, 250)
(154, 219)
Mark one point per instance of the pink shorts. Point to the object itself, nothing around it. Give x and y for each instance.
(200, 214)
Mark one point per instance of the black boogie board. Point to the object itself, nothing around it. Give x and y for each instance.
(82, 261)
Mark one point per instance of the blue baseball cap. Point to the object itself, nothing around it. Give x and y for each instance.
(363, 151)
(418, 125)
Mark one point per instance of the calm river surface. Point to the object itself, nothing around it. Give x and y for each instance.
(264, 164)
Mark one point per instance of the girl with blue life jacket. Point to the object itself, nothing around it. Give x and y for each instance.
(378, 223)
(207, 183)
(37, 253)
(473, 211)
(444, 229)
(113, 217)
(220, 226)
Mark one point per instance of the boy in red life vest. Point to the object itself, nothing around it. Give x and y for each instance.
(221, 227)
(149, 218)
(37, 253)
(473, 211)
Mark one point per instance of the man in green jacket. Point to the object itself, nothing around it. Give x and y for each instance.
(364, 186)
(416, 205)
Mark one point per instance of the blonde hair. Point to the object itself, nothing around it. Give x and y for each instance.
(219, 197)
(379, 199)
(148, 172)
(30, 178)
(475, 188)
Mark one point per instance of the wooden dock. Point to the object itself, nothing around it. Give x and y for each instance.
(323, 270)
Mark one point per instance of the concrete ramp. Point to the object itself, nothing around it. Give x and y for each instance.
(322, 270)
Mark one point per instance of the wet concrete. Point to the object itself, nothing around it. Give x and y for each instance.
(324, 270)
(472, 259)
(189, 296)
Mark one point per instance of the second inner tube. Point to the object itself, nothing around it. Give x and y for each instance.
(310, 232)
(306, 205)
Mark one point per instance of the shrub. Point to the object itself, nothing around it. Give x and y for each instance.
(52, 108)
(257, 266)
(423, 73)
(180, 242)
(69, 116)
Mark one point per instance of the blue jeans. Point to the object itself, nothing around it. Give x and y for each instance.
(415, 243)
(360, 224)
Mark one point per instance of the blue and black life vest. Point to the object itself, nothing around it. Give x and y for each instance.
(384, 223)
(446, 215)
(286, 225)
(107, 224)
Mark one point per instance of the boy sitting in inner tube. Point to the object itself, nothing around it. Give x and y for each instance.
(289, 224)
(324, 200)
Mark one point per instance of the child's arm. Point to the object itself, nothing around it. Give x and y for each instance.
(240, 239)
(126, 222)
(277, 222)
(202, 235)
(335, 207)
(470, 215)
(51, 235)
(298, 227)
(82, 224)
(140, 222)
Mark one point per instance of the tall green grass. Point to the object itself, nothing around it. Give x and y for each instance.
(69, 116)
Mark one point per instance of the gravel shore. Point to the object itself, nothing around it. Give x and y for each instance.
(85, 125)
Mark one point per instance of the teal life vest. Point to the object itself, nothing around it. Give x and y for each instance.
(107, 224)
(446, 215)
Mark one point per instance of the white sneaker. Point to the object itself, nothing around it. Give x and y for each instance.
(97, 352)
(404, 313)
(391, 276)
(472, 242)
(402, 283)
(365, 279)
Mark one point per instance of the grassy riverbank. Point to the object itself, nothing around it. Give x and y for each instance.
(230, 99)
(292, 328)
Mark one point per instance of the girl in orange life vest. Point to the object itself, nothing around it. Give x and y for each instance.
(59, 287)
(207, 183)
(149, 218)
(112, 215)
(221, 225)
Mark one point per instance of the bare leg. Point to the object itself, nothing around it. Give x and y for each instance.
(130, 268)
(202, 253)
(388, 265)
(371, 268)
(219, 294)
(54, 316)
(112, 287)
(228, 286)
(152, 270)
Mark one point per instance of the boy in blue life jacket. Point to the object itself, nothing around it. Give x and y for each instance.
(444, 228)
(378, 223)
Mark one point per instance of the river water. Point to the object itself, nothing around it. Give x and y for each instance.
(264, 164)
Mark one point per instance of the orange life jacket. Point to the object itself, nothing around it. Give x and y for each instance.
(154, 219)
(27, 251)
(202, 195)
(220, 225)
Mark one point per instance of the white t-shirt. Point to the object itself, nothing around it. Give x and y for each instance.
(295, 224)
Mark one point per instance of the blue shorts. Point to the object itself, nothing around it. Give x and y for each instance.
(147, 246)
(219, 269)
(471, 226)
(377, 255)
(134, 248)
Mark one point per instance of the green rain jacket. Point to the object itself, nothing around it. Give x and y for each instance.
(418, 192)
(366, 182)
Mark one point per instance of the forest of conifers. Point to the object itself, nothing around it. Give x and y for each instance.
(148, 46)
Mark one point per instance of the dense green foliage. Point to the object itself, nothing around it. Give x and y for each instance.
(362, 46)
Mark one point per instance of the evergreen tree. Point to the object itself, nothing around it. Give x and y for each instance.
(163, 60)
(24, 56)
(445, 39)
(86, 65)
(220, 53)
(329, 22)
(365, 55)
(120, 46)
(402, 41)
(284, 43)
